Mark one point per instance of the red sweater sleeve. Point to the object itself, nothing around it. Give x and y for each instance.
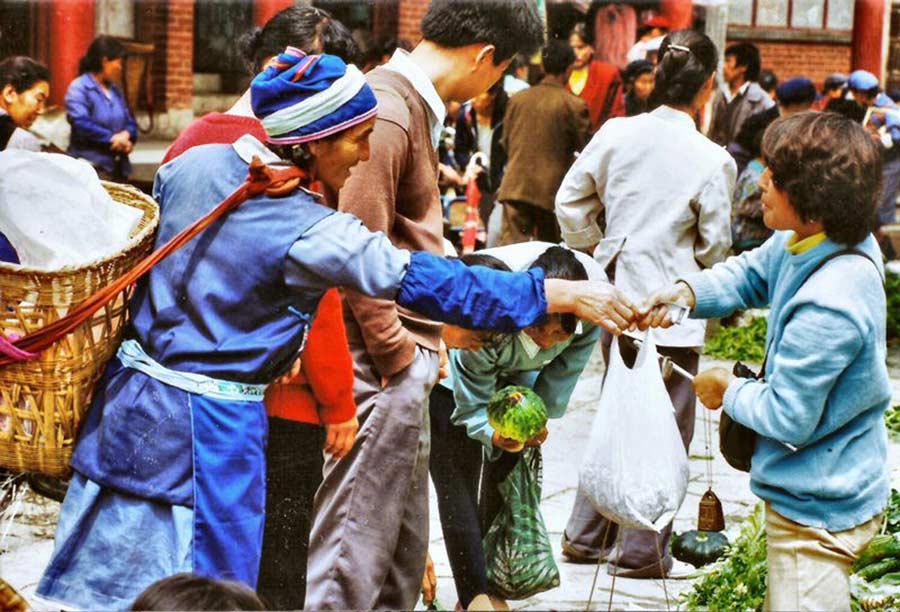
(327, 362)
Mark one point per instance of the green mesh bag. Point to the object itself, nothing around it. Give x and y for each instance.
(517, 549)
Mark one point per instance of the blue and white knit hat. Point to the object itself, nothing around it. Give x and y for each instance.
(301, 97)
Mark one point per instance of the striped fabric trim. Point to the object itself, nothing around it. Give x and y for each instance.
(334, 129)
(317, 106)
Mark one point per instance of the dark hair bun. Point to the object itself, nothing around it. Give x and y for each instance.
(686, 60)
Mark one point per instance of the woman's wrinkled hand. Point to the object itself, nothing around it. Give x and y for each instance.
(711, 385)
(602, 304)
(339, 438)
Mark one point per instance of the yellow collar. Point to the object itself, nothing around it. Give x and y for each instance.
(577, 80)
(796, 247)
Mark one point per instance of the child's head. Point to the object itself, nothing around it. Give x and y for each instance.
(822, 168)
(492, 32)
(192, 592)
(471, 339)
(557, 262)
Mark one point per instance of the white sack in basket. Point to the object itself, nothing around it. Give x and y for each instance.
(635, 470)
(55, 212)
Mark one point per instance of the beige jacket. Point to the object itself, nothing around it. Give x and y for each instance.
(663, 191)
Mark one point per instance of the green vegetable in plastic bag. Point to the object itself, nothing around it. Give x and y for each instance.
(517, 550)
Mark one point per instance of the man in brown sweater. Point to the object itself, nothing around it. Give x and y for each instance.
(370, 534)
(543, 129)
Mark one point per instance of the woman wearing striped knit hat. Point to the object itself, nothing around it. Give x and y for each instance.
(170, 463)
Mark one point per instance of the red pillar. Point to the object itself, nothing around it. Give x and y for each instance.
(868, 36)
(71, 32)
(680, 13)
(263, 10)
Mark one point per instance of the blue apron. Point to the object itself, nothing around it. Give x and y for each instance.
(229, 429)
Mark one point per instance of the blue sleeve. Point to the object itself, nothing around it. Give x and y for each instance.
(475, 297)
(339, 251)
(800, 375)
(557, 379)
(79, 111)
(740, 282)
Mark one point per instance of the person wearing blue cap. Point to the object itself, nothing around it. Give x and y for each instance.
(884, 125)
(170, 462)
(833, 88)
(792, 96)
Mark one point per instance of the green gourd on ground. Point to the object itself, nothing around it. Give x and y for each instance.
(699, 548)
(517, 413)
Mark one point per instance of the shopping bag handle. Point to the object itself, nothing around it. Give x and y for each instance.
(275, 182)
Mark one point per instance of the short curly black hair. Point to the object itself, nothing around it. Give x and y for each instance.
(837, 185)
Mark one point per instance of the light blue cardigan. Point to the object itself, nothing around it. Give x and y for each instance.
(826, 382)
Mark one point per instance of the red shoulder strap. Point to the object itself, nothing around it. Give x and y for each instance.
(261, 178)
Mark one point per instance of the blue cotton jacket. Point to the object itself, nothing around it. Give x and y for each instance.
(95, 118)
(234, 304)
(826, 383)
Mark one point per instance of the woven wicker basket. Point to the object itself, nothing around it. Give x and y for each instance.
(43, 401)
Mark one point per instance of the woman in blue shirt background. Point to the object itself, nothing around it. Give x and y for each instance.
(103, 130)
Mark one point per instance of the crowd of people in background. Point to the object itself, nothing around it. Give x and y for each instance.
(592, 181)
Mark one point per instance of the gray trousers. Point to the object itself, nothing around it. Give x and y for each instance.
(369, 537)
(586, 527)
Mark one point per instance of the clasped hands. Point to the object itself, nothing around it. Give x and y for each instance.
(709, 385)
(604, 305)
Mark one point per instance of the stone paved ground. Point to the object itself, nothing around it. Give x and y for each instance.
(26, 542)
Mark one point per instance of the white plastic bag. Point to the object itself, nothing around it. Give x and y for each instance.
(56, 213)
(635, 471)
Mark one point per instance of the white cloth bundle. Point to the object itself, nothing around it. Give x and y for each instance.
(55, 212)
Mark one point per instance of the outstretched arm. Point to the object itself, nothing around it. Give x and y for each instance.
(340, 251)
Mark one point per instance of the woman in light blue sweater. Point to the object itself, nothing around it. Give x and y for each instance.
(821, 452)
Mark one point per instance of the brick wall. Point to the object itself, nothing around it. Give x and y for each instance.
(180, 54)
(812, 60)
(169, 25)
(409, 17)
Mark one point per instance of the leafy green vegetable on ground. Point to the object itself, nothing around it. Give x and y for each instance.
(875, 583)
(892, 420)
(738, 580)
(746, 343)
(892, 291)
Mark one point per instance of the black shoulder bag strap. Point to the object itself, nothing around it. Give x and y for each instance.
(737, 442)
